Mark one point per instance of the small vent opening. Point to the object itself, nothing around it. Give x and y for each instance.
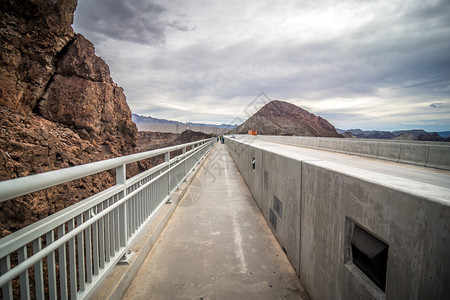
(370, 256)
(273, 219)
(253, 163)
(266, 180)
(278, 207)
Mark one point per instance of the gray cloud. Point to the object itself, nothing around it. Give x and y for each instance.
(437, 105)
(139, 21)
(384, 61)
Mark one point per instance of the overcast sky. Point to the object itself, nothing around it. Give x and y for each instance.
(360, 64)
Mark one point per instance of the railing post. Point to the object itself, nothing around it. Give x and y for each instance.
(121, 177)
(184, 163)
(86, 239)
(167, 159)
(5, 266)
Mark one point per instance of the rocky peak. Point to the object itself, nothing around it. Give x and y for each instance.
(282, 109)
(283, 118)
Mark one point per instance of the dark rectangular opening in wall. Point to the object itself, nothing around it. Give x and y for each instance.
(273, 219)
(370, 255)
(278, 207)
(266, 180)
(253, 163)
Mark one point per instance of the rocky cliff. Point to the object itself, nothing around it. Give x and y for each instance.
(283, 118)
(59, 107)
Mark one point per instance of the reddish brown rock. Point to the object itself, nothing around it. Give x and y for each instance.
(149, 140)
(59, 107)
(83, 95)
(31, 144)
(283, 118)
(32, 33)
(79, 59)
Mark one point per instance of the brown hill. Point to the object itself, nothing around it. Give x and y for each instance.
(149, 140)
(283, 118)
(59, 107)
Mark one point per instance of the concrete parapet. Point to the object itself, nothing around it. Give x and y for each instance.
(313, 207)
(439, 157)
(389, 151)
(414, 154)
(421, 153)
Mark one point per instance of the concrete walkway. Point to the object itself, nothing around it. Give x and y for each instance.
(217, 245)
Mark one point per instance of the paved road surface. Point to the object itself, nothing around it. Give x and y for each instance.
(426, 175)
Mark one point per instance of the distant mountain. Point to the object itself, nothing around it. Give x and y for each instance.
(223, 126)
(444, 134)
(370, 134)
(137, 119)
(146, 123)
(413, 135)
(283, 118)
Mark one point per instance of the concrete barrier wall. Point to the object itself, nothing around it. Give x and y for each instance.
(421, 153)
(321, 201)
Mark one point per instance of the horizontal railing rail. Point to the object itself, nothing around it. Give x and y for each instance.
(33, 183)
(66, 254)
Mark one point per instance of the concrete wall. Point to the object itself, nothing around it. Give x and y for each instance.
(320, 203)
(422, 153)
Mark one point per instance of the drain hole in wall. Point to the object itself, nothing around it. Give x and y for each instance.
(278, 207)
(266, 180)
(370, 255)
(273, 219)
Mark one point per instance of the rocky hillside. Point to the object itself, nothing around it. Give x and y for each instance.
(59, 107)
(412, 135)
(146, 123)
(283, 118)
(149, 140)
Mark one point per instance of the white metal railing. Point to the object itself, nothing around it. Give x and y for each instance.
(68, 252)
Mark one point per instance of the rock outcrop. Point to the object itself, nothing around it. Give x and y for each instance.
(32, 34)
(83, 95)
(59, 107)
(283, 118)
